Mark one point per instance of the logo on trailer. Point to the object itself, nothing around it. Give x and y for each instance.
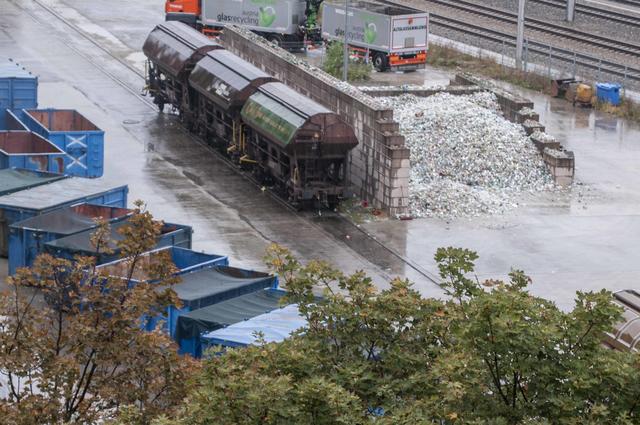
(370, 32)
(266, 16)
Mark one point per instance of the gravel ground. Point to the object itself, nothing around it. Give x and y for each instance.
(466, 159)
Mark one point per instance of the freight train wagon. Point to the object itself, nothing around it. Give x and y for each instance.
(290, 142)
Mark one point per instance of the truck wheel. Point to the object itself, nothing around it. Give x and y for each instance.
(380, 62)
(275, 39)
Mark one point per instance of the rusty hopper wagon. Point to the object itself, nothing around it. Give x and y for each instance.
(173, 50)
(299, 143)
(288, 141)
(626, 334)
(224, 82)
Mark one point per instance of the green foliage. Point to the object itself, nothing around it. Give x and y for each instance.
(493, 354)
(334, 60)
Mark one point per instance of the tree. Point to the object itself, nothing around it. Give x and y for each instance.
(491, 354)
(71, 346)
(334, 61)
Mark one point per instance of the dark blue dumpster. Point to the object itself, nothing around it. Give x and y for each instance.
(18, 89)
(43, 199)
(16, 179)
(178, 235)
(28, 150)
(194, 323)
(27, 237)
(609, 93)
(69, 130)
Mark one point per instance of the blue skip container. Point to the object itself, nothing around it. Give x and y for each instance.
(609, 93)
(178, 235)
(27, 237)
(79, 138)
(46, 198)
(18, 89)
(30, 151)
(185, 260)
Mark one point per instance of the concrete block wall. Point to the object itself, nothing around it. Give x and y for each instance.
(379, 166)
(420, 91)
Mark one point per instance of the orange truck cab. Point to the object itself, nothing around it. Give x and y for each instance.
(187, 11)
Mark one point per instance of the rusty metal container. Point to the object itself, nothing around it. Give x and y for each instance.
(176, 47)
(30, 151)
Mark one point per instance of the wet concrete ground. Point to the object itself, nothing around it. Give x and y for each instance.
(181, 180)
(584, 239)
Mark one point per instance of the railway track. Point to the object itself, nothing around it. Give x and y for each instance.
(616, 46)
(563, 55)
(623, 71)
(335, 221)
(598, 11)
(635, 3)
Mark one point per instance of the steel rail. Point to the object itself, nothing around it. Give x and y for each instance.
(599, 12)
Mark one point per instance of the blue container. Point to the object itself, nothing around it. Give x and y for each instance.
(30, 151)
(178, 235)
(608, 92)
(18, 89)
(185, 260)
(16, 179)
(69, 130)
(46, 198)
(27, 237)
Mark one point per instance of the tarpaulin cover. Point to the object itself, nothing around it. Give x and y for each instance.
(14, 180)
(80, 243)
(275, 326)
(213, 285)
(67, 221)
(226, 313)
(58, 193)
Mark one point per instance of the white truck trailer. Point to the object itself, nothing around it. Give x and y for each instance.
(393, 37)
(284, 22)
